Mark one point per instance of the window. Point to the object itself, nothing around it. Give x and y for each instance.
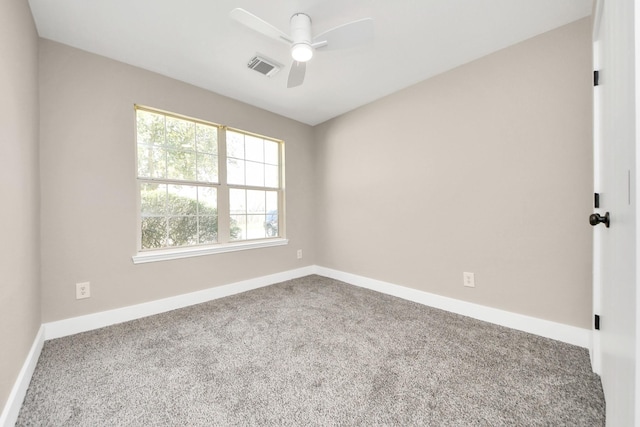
(203, 185)
(253, 176)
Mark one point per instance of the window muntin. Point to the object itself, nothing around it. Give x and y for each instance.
(181, 185)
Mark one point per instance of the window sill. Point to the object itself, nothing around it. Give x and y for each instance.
(165, 255)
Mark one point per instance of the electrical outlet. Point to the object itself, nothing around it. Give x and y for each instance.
(469, 280)
(299, 253)
(83, 290)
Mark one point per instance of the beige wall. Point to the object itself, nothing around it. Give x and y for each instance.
(19, 191)
(486, 168)
(89, 188)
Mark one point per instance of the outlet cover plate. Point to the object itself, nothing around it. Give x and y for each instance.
(469, 279)
(83, 290)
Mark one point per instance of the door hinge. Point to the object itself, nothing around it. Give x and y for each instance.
(596, 77)
(596, 322)
(596, 200)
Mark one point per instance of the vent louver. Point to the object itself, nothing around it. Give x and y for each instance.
(265, 66)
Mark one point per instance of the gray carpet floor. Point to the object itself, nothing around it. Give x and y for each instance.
(311, 351)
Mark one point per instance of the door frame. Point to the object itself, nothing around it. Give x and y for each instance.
(596, 351)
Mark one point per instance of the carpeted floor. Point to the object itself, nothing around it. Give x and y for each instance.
(311, 351)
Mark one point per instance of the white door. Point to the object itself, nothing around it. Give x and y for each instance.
(615, 282)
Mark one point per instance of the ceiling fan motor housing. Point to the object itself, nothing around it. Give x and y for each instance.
(301, 49)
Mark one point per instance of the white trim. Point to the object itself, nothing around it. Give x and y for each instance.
(101, 319)
(597, 17)
(165, 255)
(12, 407)
(596, 287)
(545, 328)
(636, 221)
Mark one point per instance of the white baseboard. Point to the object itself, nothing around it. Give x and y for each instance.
(557, 331)
(92, 321)
(12, 407)
(596, 359)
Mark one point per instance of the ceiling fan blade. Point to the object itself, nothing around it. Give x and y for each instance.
(296, 74)
(345, 36)
(260, 25)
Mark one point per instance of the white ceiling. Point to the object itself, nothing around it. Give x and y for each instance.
(195, 41)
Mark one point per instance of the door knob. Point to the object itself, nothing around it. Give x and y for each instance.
(595, 219)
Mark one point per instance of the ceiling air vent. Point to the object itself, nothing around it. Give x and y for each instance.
(265, 66)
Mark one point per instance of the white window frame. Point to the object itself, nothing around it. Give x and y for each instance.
(223, 207)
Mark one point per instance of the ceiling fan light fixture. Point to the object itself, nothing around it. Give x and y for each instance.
(301, 52)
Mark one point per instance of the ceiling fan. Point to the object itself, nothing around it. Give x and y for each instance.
(301, 42)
